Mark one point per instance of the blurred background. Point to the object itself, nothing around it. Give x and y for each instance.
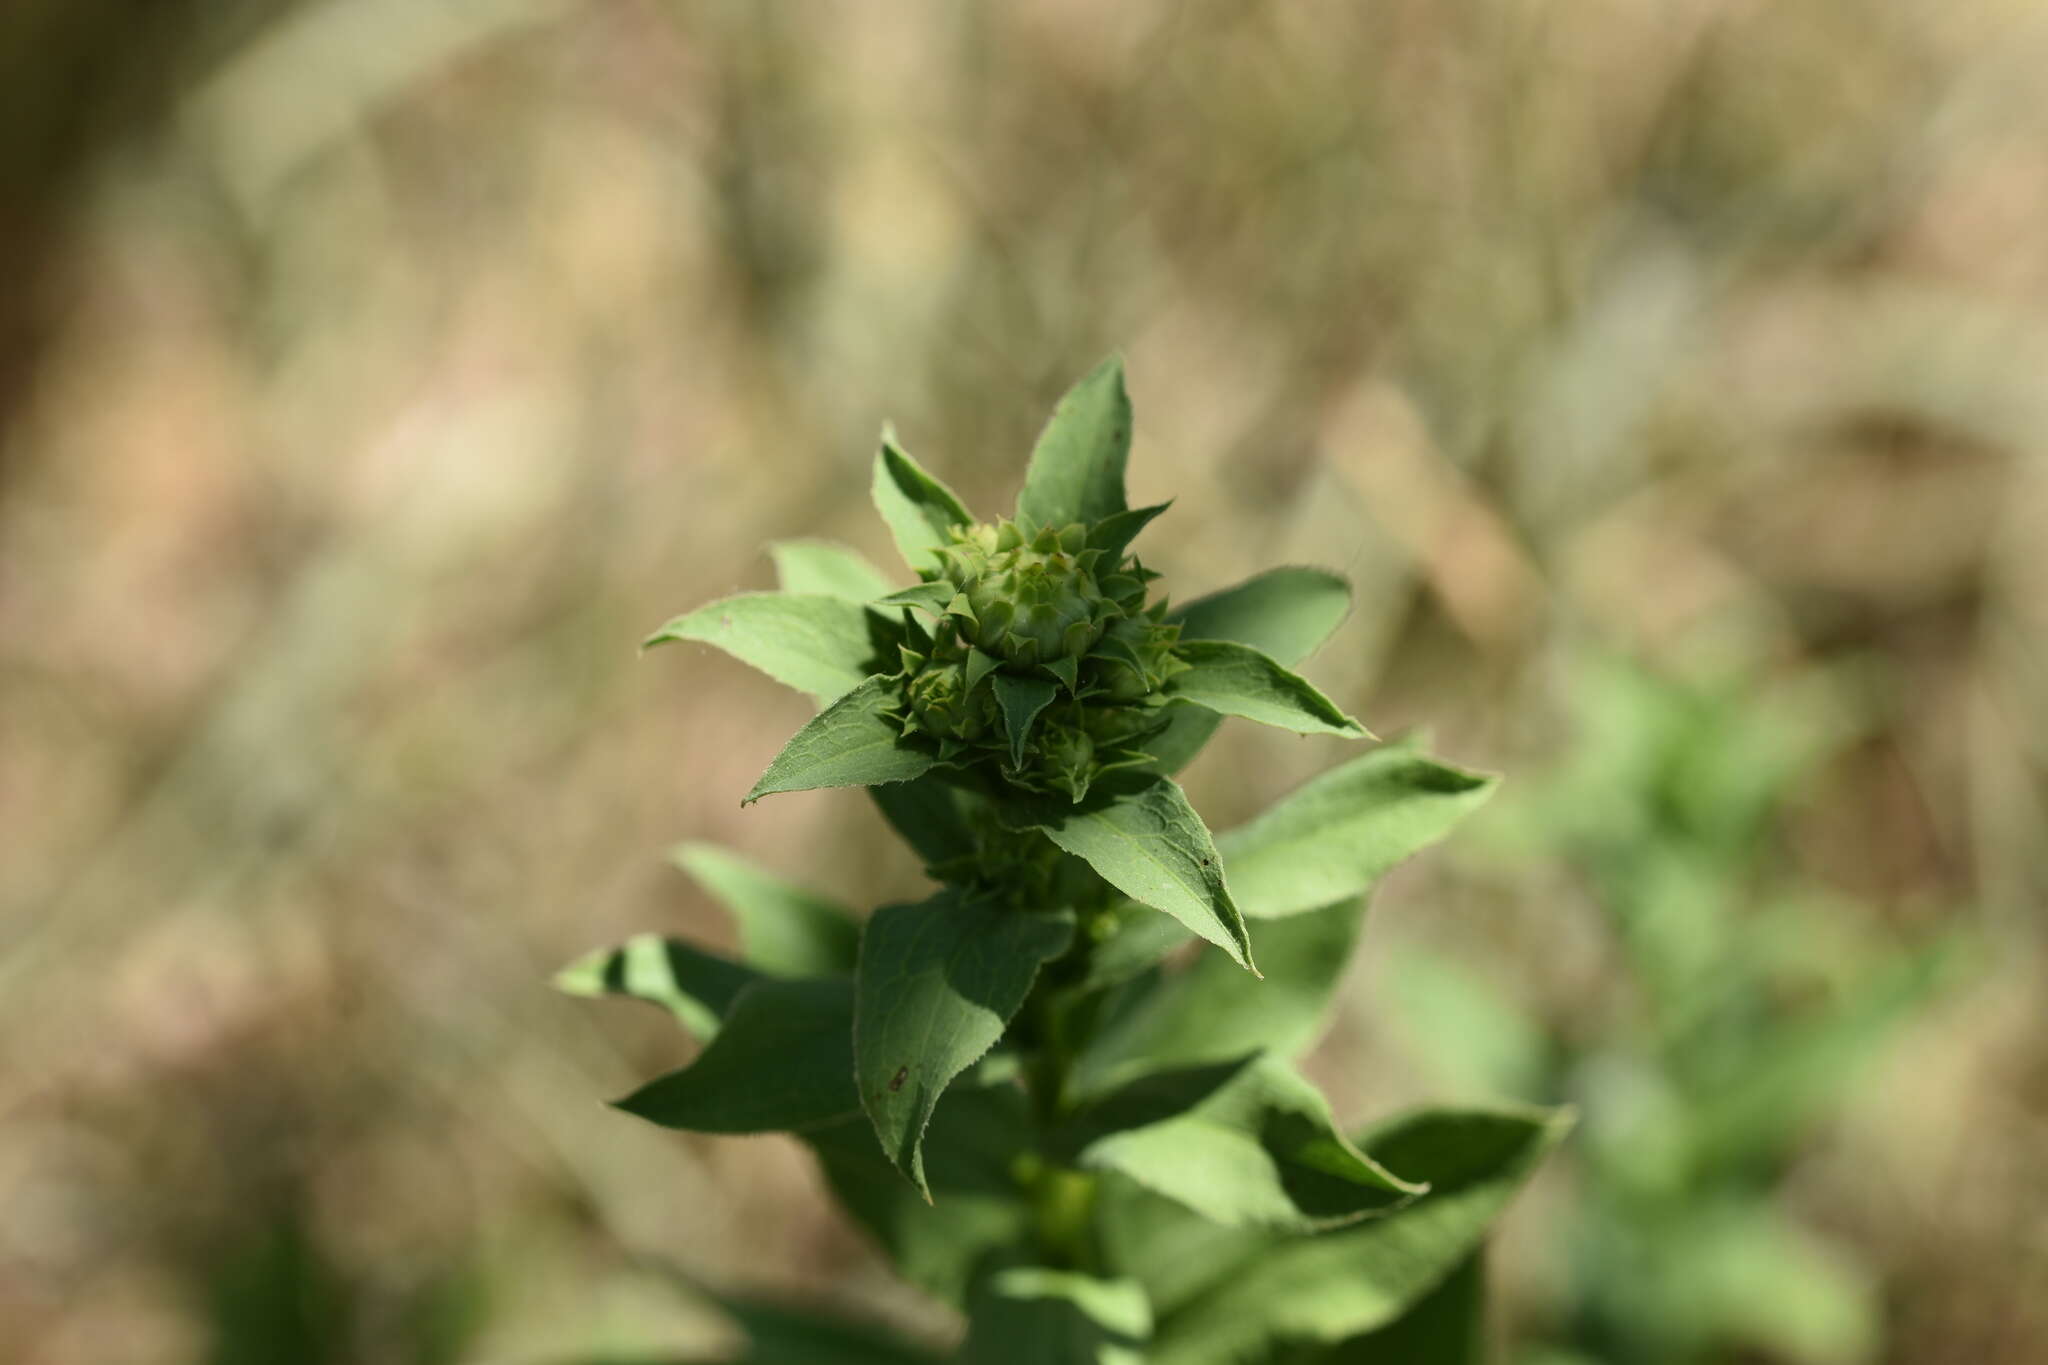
(1670, 378)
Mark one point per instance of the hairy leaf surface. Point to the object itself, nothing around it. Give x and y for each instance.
(851, 743)
(918, 508)
(1077, 466)
(938, 981)
(820, 645)
(1151, 845)
(782, 1062)
(1236, 680)
(821, 568)
(1338, 833)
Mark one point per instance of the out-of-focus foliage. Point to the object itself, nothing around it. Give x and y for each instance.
(379, 367)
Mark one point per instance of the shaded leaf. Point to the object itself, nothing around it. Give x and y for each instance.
(1447, 1326)
(1150, 844)
(977, 1136)
(1337, 834)
(1358, 1279)
(938, 982)
(1212, 1011)
(1248, 1143)
(820, 568)
(1032, 1315)
(1077, 466)
(1236, 680)
(851, 743)
(784, 929)
(918, 508)
(927, 813)
(1022, 699)
(820, 645)
(782, 1062)
(697, 987)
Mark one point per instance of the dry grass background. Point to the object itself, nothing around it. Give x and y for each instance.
(394, 365)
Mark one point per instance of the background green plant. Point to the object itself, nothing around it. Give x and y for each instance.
(367, 358)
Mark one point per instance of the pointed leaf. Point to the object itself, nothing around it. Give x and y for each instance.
(851, 743)
(1077, 467)
(820, 568)
(1032, 1315)
(1113, 535)
(918, 508)
(820, 645)
(930, 598)
(1328, 1288)
(1212, 1012)
(782, 1062)
(1284, 612)
(784, 929)
(697, 987)
(1248, 1143)
(1236, 680)
(938, 982)
(1149, 844)
(980, 1132)
(1339, 833)
(1022, 699)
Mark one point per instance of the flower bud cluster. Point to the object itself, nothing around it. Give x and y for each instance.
(1057, 604)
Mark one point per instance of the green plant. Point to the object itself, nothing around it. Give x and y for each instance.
(1742, 999)
(1051, 1116)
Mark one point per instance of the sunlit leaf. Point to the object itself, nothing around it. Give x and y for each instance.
(1077, 467)
(782, 1062)
(820, 645)
(784, 929)
(1236, 680)
(851, 743)
(938, 982)
(918, 508)
(820, 568)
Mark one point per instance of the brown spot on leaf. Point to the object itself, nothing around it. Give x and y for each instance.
(896, 1081)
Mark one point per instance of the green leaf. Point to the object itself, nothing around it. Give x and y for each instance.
(1032, 1315)
(1337, 834)
(1077, 467)
(1022, 699)
(926, 813)
(917, 507)
(1359, 1279)
(1285, 613)
(1447, 1326)
(1248, 1143)
(930, 598)
(784, 929)
(1212, 1011)
(1113, 535)
(785, 1334)
(820, 568)
(981, 1131)
(1149, 844)
(1131, 938)
(697, 987)
(823, 646)
(851, 743)
(783, 1062)
(1236, 680)
(938, 982)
